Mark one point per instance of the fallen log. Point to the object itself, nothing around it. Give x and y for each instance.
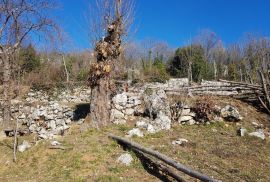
(241, 83)
(165, 159)
(161, 166)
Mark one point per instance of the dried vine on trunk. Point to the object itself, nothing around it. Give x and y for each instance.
(107, 51)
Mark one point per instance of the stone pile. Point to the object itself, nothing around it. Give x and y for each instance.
(47, 120)
(156, 112)
(183, 114)
(76, 95)
(173, 83)
(124, 106)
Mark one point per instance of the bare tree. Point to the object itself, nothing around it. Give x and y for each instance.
(115, 20)
(19, 20)
(208, 40)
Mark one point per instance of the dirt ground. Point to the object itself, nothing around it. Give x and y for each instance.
(214, 150)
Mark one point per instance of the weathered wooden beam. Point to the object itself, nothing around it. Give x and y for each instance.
(161, 166)
(165, 159)
(266, 92)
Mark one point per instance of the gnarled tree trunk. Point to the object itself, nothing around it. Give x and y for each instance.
(100, 104)
(107, 51)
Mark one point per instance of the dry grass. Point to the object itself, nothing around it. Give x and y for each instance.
(215, 150)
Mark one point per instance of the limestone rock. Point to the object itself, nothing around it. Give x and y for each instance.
(162, 121)
(179, 141)
(191, 122)
(185, 112)
(230, 113)
(125, 159)
(24, 146)
(116, 114)
(259, 133)
(135, 132)
(55, 143)
(129, 111)
(184, 118)
(120, 99)
(158, 109)
(242, 132)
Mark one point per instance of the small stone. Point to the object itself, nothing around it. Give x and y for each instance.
(135, 132)
(118, 107)
(120, 121)
(32, 128)
(191, 122)
(151, 129)
(255, 124)
(141, 124)
(242, 132)
(129, 111)
(51, 124)
(54, 143)
(24, 146)
(115, 114)
(179, 141)
(185, 112)
(120, 99)
(125, 159)
(258, 133)
(184, 118)
(68, 121)
(22, 116)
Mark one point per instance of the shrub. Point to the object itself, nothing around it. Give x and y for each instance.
(204, 109)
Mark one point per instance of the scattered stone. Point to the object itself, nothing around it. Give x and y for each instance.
(24, 146)
(258, 133)
(230, 113)
(184, 118)
(135, 132)
(125, 159)
(54, 143)
(242, 132)
(191, 122)
(255, 124)
(179, 141)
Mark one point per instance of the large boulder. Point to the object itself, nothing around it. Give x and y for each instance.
(158, 109)
(230, 113)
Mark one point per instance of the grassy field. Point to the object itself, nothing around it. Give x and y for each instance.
(214, 149)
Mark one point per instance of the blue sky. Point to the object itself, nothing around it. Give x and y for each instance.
(175, 21)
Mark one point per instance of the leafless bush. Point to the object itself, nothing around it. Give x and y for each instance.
(204, 109)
